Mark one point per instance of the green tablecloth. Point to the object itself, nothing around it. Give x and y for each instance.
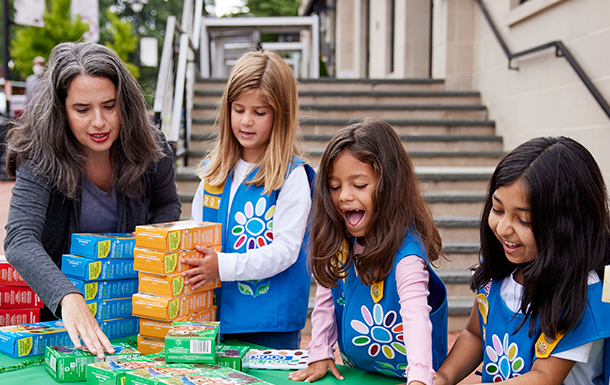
(37, 375)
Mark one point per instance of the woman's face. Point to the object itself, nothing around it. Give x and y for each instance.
(510, 220)
(92, 114)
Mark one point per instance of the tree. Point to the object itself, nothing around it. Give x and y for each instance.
(124, 42)
(59, 27)
(153, 20)
(263, 8)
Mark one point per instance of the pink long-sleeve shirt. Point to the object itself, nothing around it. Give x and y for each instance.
(412, 283)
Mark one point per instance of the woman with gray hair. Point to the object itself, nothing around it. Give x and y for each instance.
(86, 159)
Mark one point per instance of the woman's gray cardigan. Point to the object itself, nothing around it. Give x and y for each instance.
(41, 220)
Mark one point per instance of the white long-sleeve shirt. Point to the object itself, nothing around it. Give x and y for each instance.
(289, 222)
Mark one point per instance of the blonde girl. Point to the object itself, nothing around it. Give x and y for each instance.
(255, 184)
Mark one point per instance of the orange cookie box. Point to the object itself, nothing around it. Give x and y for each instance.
(160, 262)
(180, 235)
(170, 308)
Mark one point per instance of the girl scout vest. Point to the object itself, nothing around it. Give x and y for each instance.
(276, 304)
(369, 326)
(507, 354)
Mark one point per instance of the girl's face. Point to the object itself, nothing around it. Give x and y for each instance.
(92, 113)
(510, 220)
(252, 123)
(352, 186)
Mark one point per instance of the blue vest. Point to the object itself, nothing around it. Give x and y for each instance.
(369, 326)
(507, 354)
(276, 304)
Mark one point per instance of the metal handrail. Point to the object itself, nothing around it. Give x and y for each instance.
(560, 51)
(177, 77)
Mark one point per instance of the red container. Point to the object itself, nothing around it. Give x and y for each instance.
(15, 297)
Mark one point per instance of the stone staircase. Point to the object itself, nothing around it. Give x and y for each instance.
(446, 133)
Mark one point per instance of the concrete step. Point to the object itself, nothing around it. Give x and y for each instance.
(455, 204)
(331, 84)
(462, 205)
(401, 126)
(419, 158)
(356, 112)
(424, 97)
(458, 229)
(318, 143)
(432, 179)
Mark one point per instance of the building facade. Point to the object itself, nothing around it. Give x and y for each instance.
(453, 40)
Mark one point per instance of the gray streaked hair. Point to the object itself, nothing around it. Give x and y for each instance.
(43, 137)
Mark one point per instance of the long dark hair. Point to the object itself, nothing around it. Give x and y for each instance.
(569, 211)
(43, 137)
(398, 205)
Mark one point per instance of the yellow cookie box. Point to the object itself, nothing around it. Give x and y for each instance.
(150, 345)
(180, 235)
(160, 262)
(158, 329)
(170, 308)
(169, 285)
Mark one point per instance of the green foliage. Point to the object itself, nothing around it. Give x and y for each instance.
(59, 27)
(263, 8)
(152, 23)
(124, 42)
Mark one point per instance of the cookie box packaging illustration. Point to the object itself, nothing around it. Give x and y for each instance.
(67, 363)
(161, 262)
(170, 285)
(221, 375)
(158, 329)
(113, 372)
(153, 375)
(234, 357)
(120, 327)
(32, 339)
(277, 359)
(181, 235)
(170, 308)
(96, 270)
(110, 308)
(192, 342)
(101, 246)
(107, 289)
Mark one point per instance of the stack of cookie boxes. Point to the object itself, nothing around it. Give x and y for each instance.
(18, 303)
(101, 267)
(163, 297)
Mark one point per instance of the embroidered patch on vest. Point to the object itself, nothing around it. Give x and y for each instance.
(341, 258)
(211, 201)
(483, 306)
(377, 291)
(545, 345)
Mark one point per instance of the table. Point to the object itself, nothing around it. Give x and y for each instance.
(37, 375)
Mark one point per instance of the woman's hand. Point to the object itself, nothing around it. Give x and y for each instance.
(206, 268)
(315, 371)
(79, 322)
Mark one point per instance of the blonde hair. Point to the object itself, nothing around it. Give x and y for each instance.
(269, 73)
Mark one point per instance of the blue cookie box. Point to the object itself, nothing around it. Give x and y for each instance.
(96, 270)
(106, 309)
(103, 245)
(108, 289)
